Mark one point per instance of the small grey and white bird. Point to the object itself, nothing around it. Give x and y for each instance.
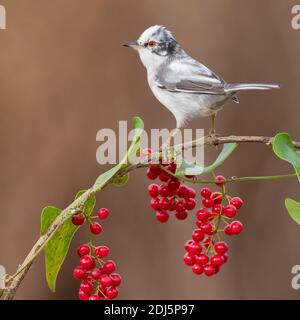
(182, 84)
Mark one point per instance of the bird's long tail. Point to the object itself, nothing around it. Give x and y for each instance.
(235, 87)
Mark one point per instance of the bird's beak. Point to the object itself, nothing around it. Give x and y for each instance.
(131, 44)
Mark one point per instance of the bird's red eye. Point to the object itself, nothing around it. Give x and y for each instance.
(151, 44)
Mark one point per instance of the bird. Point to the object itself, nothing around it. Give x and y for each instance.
(186, 87)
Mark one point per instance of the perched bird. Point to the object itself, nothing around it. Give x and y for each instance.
(182, 84)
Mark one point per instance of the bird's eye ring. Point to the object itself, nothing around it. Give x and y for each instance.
(151, 44)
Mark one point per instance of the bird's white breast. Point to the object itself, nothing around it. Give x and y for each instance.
(185, 106)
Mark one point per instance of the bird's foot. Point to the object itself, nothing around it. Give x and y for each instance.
(212, 136)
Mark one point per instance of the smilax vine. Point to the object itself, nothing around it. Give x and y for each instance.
(215, 213)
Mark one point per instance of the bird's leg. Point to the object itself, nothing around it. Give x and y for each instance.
(213, 125)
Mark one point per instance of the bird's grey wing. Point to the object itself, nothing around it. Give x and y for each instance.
(189, 76)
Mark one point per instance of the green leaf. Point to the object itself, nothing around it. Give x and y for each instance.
(189, 168)
(227, 150)
(134, 148)
(106, 176)
(120, 181)
(293, 208)
(58, 246)
(284, 149)
(89, 204)
(132, 151)
(195, 169)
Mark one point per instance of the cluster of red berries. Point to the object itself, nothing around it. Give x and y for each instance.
(95, 227)
(98, 278)
(205, 252)
(171, 195)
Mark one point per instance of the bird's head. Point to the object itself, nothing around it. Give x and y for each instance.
(154, 46)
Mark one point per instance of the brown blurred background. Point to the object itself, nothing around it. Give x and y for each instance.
(64, 76)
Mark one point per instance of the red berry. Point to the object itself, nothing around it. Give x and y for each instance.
(209, 270)
(221, 247)
(237, 202)
(95, 228)
(217, 260)
(164, 204)
(87, 262)
(207, 228)
(189, 259)
(181, 215)
(220, 178)
(164, 176)
(103, 213)
(202, 259)
(83, 250)
(151, 175)
(82, 295)
(102, 288)
(173, 184)
(198, 235)
(225, 256)
(94, 297)
(78, 219)
(154, 204)
(190, 204)
(96, 273)
(112, 293)
(102, 252)
(189, 176)
(205, 193)
(236, 227)
(172, 204)
(199, 224)
(153, 190)
(162, 216)
(194, 248)
(217, 208)
(79, 273)
(172, 167)
(202, 214)
(86, 286)
(116, 279)
(183, 191)
(229, 211)
(191, 193)
(208, 203)
(164, 191)
(155, 170)
(217, 197)
(217, 269)
(180, 205)
(197, 269)
(227, 230)
(105, 280)
(109, 266)
(188, 245)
